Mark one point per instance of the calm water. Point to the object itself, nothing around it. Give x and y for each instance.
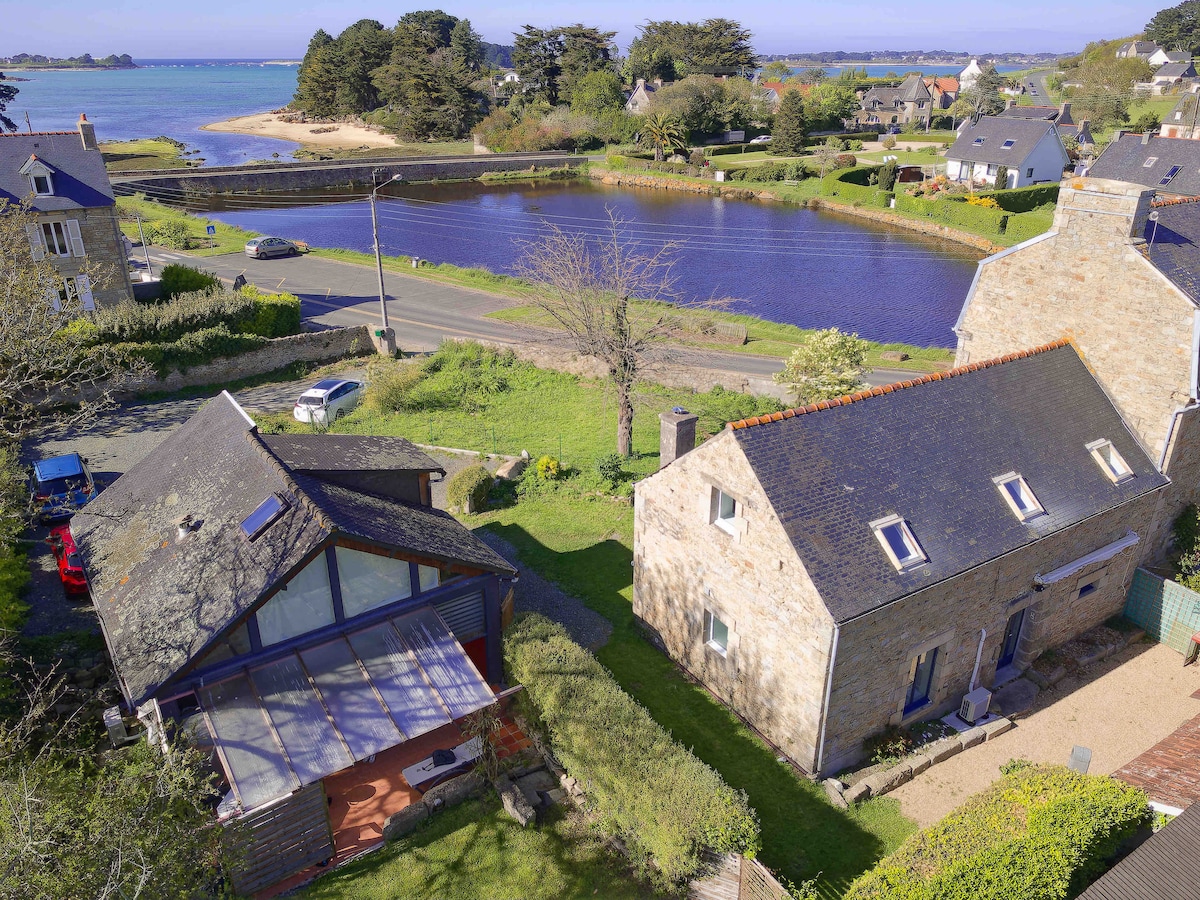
(171, 97)
(779, 262)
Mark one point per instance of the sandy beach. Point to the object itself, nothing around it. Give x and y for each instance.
(343, 137)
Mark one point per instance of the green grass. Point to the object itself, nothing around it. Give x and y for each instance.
(904, 157)
(476, 852)
(422, 148)
(146, 153)
(228, 239)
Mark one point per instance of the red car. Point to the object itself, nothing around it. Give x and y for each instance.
(70, 568)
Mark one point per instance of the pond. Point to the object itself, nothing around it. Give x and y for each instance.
(781, 262)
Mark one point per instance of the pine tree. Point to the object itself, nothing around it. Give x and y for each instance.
(790, 126)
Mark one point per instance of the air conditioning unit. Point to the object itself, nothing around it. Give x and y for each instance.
(975, 705)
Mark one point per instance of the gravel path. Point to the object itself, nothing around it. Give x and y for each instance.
(1118, 708)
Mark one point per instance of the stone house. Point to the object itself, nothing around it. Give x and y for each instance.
(1169, 165)
(1137, 50)
(865, 562)
(1183, 121)
(1171, 74)
(62, 175)
(296, 605)
(642, 96)
(1124, 290)
(1030, 149)
(910, 101)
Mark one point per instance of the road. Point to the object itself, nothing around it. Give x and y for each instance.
(334, 293)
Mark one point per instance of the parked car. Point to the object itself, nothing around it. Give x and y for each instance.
(70, 566)
(761, 139)
(328, 400)
(60, 485)
(266, 247)
(893, 129)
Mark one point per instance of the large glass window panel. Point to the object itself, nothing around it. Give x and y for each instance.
(355, 709)
(922, 680)
(305, 605)
(413, 703)
(295, 709)
(369, 581)
(254, 762)
(444, 662)
(429, 577)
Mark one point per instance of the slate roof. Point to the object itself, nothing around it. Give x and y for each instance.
(1184, 112)
(1139, 47)
(995, 130)
(913, 89)
(928, 451)
(885, 97)
(1049, 113)
(1175, 70)
(162, 600)
(1165, 867)
(80, 180)
(1081, 132)
(1125, 160)
(1173, 245)
(348, 453)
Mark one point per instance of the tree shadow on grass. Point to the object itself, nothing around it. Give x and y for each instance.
(803, 834)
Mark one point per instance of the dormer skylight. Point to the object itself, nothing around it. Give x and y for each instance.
(1018, 496)
(1008, 144)
(1110, 461)
(40, 176)
(898, 542)
(1150, 160)
(264, 514)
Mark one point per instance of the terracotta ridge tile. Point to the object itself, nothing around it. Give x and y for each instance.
(34, 133)
(880, 390)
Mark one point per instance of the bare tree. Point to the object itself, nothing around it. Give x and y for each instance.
(48, 366)
(587, 283)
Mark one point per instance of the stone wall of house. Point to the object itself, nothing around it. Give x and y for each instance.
(773, 671)
(875, 652)
(104, 254)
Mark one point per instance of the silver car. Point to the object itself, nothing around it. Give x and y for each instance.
(266, 247)
(328, 400)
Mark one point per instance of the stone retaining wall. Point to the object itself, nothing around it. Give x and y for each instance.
(313, 347)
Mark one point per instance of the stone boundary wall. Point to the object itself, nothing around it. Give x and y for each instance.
(314, 347)
(196, 182)
(724, 189)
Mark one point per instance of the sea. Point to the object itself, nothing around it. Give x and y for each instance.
(171, 97)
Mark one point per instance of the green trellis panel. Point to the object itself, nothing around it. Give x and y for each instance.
(1169, 612)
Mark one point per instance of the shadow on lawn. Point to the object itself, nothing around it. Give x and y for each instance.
(802, 833)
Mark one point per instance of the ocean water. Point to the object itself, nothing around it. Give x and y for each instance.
(169, 97)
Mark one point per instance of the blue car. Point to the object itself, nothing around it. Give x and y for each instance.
(61, 485)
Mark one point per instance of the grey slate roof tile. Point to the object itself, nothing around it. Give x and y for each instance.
(80, 180)
(928, 453)
(1026, 134)
(1165, 867)
(348, 452)
(1173, 245)
(1125, 160)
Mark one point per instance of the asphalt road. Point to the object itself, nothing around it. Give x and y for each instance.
(335, 294)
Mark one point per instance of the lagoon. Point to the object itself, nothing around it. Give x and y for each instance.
(781, 262)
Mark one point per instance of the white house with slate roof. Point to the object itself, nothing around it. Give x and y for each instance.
(833, 570)
(1169, 165)
(1030, 149)
(62, 176)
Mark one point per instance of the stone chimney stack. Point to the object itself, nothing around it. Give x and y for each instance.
(677, 435)
(1099, 211)
(1064, 113)
(87, 132)
(641, 83)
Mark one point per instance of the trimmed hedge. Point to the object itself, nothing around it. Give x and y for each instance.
(954, 212)
(646, 788)
(178, 279)
(192, 349)
(247, 311)
(648, 165)
(1039, 833)
(1019, 200)
(1023, 226)
(853, 187)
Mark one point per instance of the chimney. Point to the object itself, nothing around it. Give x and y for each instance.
(1094, 211)
(1064, 113)
(1146, 138)
(185, 526)
(641, 83)
(657, 83)
(87, 131)
(677, 435)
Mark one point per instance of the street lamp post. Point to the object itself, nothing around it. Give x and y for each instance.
(385, 337)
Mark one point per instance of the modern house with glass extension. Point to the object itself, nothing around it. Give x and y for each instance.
(297, 605)
(833, 570)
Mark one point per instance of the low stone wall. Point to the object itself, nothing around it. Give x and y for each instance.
(313, 347)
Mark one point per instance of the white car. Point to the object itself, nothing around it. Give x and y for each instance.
(328, 400)
(761, 139)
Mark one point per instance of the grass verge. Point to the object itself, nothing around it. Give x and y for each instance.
(145, 153)
(476, 851)
(228, 238)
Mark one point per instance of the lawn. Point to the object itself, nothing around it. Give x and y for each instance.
(147, 153)
(476, 852)
(228, 239)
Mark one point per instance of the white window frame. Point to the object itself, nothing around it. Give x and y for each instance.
(72, 287)
(726, 523)
(1032, 506)
(33, 184)
(1029, 173)
(916, 556)
(1111, 463)
(711, 620)
(1150, 161)
(54, 238)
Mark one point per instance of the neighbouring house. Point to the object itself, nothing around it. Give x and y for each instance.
(1137, 50)
(1183, 121)
(642, 96)
(1161, 57)
(1123, 287)
(969, 74)
(1169, 165)
(295, 603)
(1164, 867)
(62, 175)
(831, 571)
(773, 91)
(1172, 74)
(1059, 115)
(906, 103)
(943, 90)
(1030, 149)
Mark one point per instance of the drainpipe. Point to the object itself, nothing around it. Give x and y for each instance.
(828, 690)
(1162, 460)
(978, 657)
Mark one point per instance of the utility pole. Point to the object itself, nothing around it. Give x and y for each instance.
(145, 249)
(385, 338)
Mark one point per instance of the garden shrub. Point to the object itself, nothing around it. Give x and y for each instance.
(548, 468)
(644, 786)
(192, 349)
(275, 315)
(1039, 833)
(610, 468)
(1025, 199)
(845, 161)
(247, 311)
(14, 578)
(1002, 178)
(468, 489)
(170, 233)
(887, 175)
(390, 387)
(178, 279)
(1023, 226)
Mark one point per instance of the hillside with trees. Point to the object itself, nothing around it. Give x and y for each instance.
(86, 61)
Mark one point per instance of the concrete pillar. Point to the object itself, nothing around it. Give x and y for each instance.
(385, 341)
(677, 435)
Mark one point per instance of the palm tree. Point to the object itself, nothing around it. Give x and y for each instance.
(665, 133)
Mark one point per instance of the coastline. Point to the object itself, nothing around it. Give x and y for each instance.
(344, 136)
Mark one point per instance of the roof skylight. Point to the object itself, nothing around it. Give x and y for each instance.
(1171, 173)
(1110, 461)
(1018, 496)
(264, 514)
(1150, 160)
(898, 542)
(978, 141)
(1007, 144)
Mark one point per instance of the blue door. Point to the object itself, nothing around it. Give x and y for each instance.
(1012, 637)
(922, 681)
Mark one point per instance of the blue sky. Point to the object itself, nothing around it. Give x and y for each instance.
(225, 28)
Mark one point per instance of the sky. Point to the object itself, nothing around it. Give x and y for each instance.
(236, 29)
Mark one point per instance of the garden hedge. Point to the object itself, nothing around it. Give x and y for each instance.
(178, 279)
(1039, 833)
(247, 311)
(644, 786)
(1019, 200)
(1023, 226)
